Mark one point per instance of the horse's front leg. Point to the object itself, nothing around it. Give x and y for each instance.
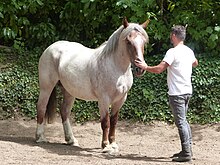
(65, 111)
(113, 122)
(105, 124)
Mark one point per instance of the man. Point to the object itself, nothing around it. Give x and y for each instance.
(179, 62)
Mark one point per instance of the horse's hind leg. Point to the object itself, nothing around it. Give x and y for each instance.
(65, 111)
(41, 110)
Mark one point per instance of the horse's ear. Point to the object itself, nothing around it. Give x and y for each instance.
(125, 22)
(144, 25)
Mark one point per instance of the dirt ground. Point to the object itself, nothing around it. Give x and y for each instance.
(139, 144)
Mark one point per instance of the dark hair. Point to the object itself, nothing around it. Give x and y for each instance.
(179, 31)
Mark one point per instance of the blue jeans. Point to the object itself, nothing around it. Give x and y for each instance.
(179, 105)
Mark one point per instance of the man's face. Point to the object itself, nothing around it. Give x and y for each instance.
(172, 37)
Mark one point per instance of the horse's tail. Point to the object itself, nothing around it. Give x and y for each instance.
(51, 107)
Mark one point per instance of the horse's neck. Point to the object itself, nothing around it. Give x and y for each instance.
(117, 58)
(121, 59)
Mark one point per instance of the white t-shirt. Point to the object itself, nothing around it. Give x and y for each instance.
(179, 71)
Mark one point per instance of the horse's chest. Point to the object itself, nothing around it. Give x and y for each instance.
(123, 88)
(124, 84)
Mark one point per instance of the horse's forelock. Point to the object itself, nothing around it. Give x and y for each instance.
(133, 26)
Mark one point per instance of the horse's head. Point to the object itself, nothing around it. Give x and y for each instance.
(135, 41)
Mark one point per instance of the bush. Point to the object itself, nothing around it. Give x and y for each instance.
(18, 84)
(26, 25)
(205, 105)
(147, 100)
(38, 23)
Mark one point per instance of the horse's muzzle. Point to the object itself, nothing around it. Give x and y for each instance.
(138, 72)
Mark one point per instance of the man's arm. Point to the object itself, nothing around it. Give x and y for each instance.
(158, 68)
(195, 63)
(153, 69)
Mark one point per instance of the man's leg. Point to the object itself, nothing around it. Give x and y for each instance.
(187, 98)
(179, 105)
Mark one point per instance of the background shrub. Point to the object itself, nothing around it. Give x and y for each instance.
(38, 23)
(28, 27)
(147, 100)
(18, 84)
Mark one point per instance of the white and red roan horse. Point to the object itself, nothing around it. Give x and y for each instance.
(103, 74)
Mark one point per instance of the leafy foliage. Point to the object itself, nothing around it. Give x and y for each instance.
(30, 24)
(206, 89)
(34, 23)
(147, 100)
(18, 85)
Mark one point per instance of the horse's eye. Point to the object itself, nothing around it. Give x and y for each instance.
(128, 41)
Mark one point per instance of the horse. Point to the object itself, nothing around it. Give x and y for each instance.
(103, 74)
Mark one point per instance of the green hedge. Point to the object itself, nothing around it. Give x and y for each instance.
(206, 82)
(37, 23)
(34, 23)
(18, 84)
(147, 100)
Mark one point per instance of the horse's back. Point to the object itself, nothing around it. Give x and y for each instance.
(62, 52)
(68, 62)
(64, 48)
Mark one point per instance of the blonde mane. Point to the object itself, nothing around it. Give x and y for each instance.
(110, 46)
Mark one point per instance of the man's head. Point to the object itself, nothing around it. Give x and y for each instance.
(178, 33)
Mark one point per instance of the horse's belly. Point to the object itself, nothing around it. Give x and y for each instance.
(84, 95)
(80, 91)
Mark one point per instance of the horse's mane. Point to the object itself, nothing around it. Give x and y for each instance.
(110, 46)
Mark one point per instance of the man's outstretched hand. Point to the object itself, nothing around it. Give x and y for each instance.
(141, 64)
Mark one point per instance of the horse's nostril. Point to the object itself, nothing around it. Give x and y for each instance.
(138, 72)
(138, 59)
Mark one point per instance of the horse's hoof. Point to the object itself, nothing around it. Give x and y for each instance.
(114, 153)
(41, 140)
(73, 142)
(114, 147)
(111, 149)
(107, 149)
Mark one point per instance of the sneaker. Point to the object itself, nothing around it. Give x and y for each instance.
(182, 159)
